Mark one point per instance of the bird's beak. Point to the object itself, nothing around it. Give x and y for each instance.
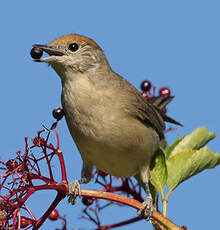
(52, 51)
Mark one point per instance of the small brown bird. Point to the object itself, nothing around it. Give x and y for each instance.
(113, 126)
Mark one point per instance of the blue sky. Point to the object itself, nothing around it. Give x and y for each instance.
(172, 43)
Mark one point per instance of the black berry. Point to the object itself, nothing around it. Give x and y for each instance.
(87, 201)
(146, 85)
(36, 53)
(58, 113)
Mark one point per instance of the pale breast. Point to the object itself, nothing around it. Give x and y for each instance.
(105, 136)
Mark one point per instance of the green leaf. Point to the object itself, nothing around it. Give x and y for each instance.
(159, 171)
(170, 148)
(187, 163)
(195, 140)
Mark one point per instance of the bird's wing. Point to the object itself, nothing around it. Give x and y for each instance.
(139, 108)
(150, 112)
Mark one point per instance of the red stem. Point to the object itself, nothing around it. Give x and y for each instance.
(60, 188)
(61, 159)
(46, 156)
(56, 201)
(62, 166)
(48, 163)
(41, 158)
(14, 218)
(29, 211)
(91, 218)
(57, 137)
(135, 219)
(44, 179)
(2, 184)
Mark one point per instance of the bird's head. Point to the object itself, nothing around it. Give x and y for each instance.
(72, 52)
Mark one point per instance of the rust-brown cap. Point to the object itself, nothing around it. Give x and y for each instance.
(71, 38)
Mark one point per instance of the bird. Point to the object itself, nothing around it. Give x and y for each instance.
(114, 128)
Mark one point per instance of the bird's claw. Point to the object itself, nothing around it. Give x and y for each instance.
(73, 186)
(147, 208)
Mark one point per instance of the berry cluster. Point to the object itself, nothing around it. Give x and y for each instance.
(149, 91)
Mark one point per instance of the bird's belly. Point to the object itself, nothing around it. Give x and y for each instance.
(122, 163)
(122, 153)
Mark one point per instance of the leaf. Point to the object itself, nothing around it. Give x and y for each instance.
(170, 148)
(195, 140)
(159, 171)
(187, 163)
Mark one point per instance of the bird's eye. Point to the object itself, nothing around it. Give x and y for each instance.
(73, 47)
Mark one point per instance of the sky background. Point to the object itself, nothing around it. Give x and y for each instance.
(171, 43)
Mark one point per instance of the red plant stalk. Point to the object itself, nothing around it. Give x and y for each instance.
(20, 175)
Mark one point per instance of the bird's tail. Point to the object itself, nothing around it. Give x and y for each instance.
(160, 102)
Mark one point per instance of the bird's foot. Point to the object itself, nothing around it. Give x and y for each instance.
(147, 208)
(73, 186)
